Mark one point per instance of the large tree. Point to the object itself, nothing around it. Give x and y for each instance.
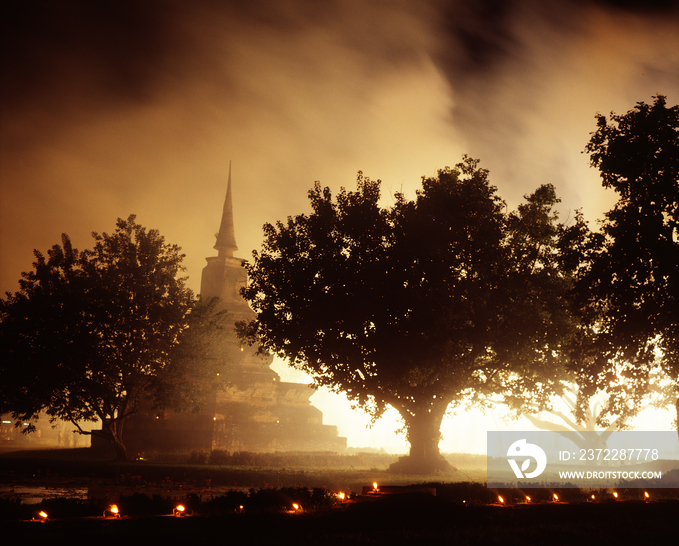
(419, 305)
(634, 277)
(91, 334)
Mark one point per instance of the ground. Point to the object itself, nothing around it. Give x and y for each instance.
(460, 513)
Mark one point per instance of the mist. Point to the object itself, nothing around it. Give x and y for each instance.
(138, 107)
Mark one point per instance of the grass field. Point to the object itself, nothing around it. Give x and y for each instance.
(348, 473)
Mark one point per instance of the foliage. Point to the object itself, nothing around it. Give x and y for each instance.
(579, 424)
(633, 281)
(419, 305)
(91, 334)
(195, 367)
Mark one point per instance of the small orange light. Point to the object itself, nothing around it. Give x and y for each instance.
(646, 495)
(556, 497)
(341, 495)
(113, 511)
(527, 498)
(375, 486)
(615, 494)
(42, 514)
(593, 497)
(500, 499)
(179, 510)
(295, 506)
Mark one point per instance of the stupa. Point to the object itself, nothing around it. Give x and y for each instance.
(258, 411)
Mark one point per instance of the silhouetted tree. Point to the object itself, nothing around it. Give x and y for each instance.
(634, 277)
(579, 424)
(91, 333)
(419, 305)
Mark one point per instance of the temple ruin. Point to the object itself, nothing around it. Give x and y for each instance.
(258, 411)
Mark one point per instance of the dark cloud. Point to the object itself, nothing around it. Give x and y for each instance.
(641, 6)
(97, 51)
(513, 65)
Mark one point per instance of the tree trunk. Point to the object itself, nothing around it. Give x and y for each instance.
(113, 432)
(119, 448)
(424, 435)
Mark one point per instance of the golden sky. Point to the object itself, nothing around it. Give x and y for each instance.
(137, 107)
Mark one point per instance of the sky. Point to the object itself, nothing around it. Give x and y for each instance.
(137, 107)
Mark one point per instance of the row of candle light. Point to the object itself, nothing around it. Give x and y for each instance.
(555, 497)
(180, 510)
(112, 511)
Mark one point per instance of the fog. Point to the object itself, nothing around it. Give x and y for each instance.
(138, 107)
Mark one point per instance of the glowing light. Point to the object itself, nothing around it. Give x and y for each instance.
(375, 488)
(555, 497)
(42, 514)
(593, 497)
(296, 506)
(341, 495)
(646, 495)
(112, 510)
(179, 510)
(500, 499)
(615, 494)
(527, 498)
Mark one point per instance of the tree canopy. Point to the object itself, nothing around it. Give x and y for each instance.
(634, 276)
(91, 334)
(419, 305)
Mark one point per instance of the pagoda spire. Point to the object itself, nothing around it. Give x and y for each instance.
(226, 238)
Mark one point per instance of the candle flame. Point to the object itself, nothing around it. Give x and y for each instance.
(646, 495)
(615, 494)
(295, 506)
(500, 499)
(527, 498)
(114, 509)
(375, 486)
(42, 514)
(556, 497)
(180, 508)
(342, 496)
